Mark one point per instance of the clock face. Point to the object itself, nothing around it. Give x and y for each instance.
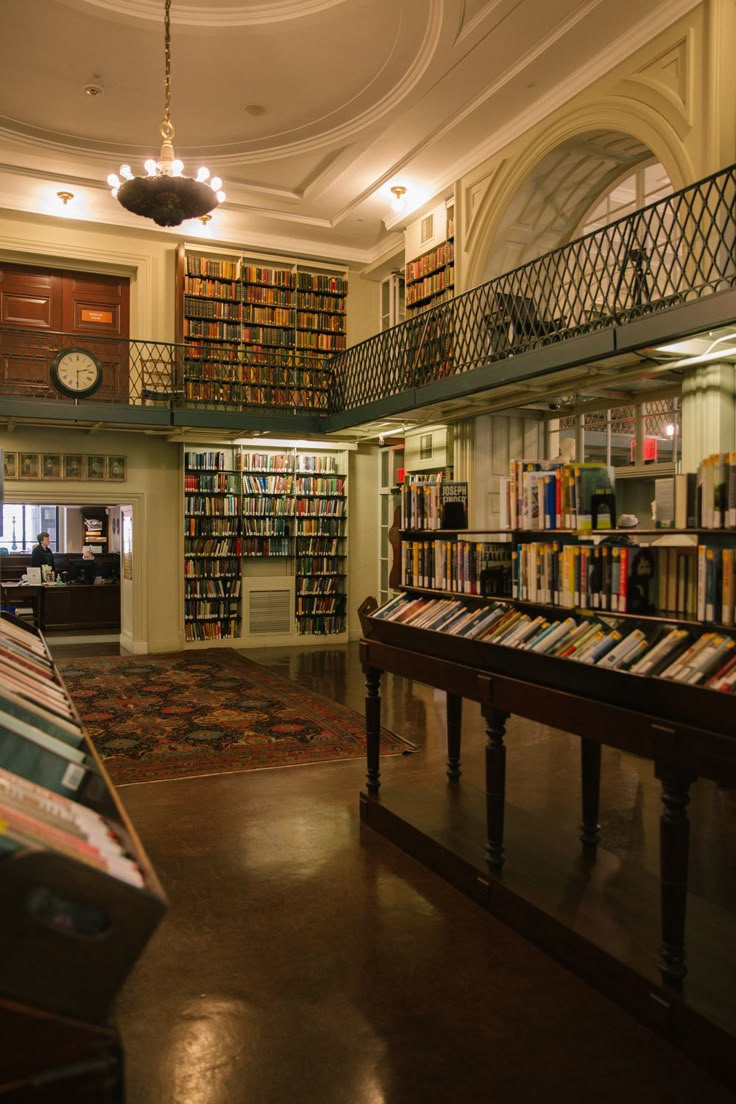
(76, 372)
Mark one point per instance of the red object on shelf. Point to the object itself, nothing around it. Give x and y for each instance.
(400, 472)
(651, 450)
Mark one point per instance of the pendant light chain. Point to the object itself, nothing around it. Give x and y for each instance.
(167, 129)
(165, 194)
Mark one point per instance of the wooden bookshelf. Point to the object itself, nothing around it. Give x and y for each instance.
(258, 330)
(212, 545)
(264, 519)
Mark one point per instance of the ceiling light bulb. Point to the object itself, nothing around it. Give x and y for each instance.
(670, 430)
(150, 166)
(177, 167)
(113, 180)
(215, 183)
(398, 191)
(221, 197)
(203, 174)
(114, 193)
(126, 171)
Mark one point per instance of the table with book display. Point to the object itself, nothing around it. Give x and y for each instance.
(80, 898)
(605, 635)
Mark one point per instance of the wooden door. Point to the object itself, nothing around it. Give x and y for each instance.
(93, 309)
(30, 299)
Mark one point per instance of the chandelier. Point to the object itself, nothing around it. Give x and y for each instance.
(165, 194)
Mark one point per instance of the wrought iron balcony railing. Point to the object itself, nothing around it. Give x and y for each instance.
(676, 250)
(157, 373)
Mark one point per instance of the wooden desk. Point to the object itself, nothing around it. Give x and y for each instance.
(70, 606)
(13, 595)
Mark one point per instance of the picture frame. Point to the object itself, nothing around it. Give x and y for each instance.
(10, 465)
(73, 465)
(51, 465)
(117, 468)
(29, 465)
(95, 466)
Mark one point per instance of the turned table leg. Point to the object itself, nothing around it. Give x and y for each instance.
(373, 728)
(495, 783)
(590, 769)
(454, 726)
(674, 838)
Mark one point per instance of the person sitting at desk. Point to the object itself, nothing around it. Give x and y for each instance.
(88, 568)
(42, 554)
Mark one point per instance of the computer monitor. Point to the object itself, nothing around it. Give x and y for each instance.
(88, 571)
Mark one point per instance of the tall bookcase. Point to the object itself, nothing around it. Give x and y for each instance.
(265, 544)
(212, 544)
(258, 329)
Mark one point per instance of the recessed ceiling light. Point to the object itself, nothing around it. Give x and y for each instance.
(254, 109)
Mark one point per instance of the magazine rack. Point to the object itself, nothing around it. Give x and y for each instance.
(69, 936)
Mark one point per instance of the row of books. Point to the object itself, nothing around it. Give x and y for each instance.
(211, 527)
(221, 629)
(431, 502)
(239, 395)
(222, 268)
(462, 566)
(210, 587)
(222, 504)
(218, 461)
(45, 767)
(688, 581)
(673, 652)
(549, 495)
(328, 584)
(206, 609)
(311, 624)
(279, 371)
(716, 491)
(443, 255)
(218, 569)
(431, 285)
(209, 483)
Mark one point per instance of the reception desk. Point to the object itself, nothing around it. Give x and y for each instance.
(69, 606)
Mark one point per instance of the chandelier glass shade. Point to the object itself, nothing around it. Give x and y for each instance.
(165, 194)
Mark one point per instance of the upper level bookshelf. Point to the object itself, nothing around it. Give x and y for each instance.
(258, 329)
(430, 277)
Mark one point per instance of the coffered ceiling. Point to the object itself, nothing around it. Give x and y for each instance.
(309, 110)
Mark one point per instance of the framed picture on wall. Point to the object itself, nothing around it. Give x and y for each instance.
(116, 468)
(73, 465)
(10, 465)
(29, 465)
(95, 467)
(51, 465)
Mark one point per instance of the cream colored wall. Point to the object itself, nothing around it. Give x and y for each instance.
(151, 605)
(677, 95)
(364, 305)
(363, 525)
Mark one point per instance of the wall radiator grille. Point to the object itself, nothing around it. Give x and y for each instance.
(270, 609)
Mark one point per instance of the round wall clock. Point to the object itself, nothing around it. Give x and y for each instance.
(76, 372)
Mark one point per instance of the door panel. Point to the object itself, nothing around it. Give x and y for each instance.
(30, 299)
(86, 305)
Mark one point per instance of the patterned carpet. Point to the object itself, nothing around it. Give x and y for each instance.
(209, 712)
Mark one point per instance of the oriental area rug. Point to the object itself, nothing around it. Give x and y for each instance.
(210, 712)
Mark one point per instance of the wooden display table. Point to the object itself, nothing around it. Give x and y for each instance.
(686, 731)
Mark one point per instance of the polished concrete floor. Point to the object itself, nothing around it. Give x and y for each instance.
(305, 959)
